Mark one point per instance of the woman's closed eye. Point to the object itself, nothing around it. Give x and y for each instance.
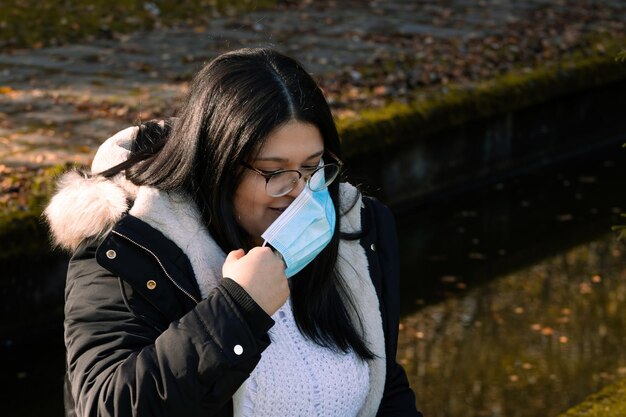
(312, 165)
(305, 169)
(270, 171)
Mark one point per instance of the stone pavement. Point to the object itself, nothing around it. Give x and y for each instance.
(58, 104)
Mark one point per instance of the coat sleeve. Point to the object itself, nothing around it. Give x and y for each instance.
(119, 365)
(398, 397)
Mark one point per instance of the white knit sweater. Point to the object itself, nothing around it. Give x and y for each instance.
(297, 377)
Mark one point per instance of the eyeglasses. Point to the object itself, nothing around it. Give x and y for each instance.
(281, 182)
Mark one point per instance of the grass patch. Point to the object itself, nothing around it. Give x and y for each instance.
(38, 23)
(609, 402)
(23, 233)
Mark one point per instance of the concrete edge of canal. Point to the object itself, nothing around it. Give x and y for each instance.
(373, 130)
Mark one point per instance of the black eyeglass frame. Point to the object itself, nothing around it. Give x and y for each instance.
(307, 180)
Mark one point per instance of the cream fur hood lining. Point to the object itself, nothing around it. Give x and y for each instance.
(86, 208)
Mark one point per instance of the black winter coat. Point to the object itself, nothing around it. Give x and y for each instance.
(141, 341)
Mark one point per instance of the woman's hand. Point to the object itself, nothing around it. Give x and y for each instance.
(260, 272)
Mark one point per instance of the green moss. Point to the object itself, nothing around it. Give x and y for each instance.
(609, 402)
(30, 23)
(22, 234)
(22, 231)
(374, 129)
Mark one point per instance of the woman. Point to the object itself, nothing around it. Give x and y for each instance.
(219, 268)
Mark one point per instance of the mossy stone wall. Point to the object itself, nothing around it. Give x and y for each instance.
(375, 130)
(609, 402)
(33, 274)
(418, 167)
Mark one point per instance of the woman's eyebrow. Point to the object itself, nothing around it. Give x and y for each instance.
(278, 159)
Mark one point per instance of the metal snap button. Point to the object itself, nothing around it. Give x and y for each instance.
(238, 350)
(151, 284)
(373, 247)
(111, 254)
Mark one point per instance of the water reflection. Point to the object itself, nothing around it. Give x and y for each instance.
(519, 288)
(530, 343)
(457, 240)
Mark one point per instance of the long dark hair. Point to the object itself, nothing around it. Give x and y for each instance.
(233, 104)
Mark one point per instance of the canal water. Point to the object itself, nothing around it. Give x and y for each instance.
(512, 297)
(513, 291)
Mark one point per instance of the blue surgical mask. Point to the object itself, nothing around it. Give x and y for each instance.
(303, 229)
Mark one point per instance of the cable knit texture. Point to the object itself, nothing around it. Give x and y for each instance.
(309, 380)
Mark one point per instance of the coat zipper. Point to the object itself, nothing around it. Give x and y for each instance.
(160, 264)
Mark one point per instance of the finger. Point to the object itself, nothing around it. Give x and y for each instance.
(261, 249)
(234, 255)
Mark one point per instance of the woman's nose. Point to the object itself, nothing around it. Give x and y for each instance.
(297, 189)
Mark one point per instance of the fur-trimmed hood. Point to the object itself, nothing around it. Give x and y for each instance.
(86, 206)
